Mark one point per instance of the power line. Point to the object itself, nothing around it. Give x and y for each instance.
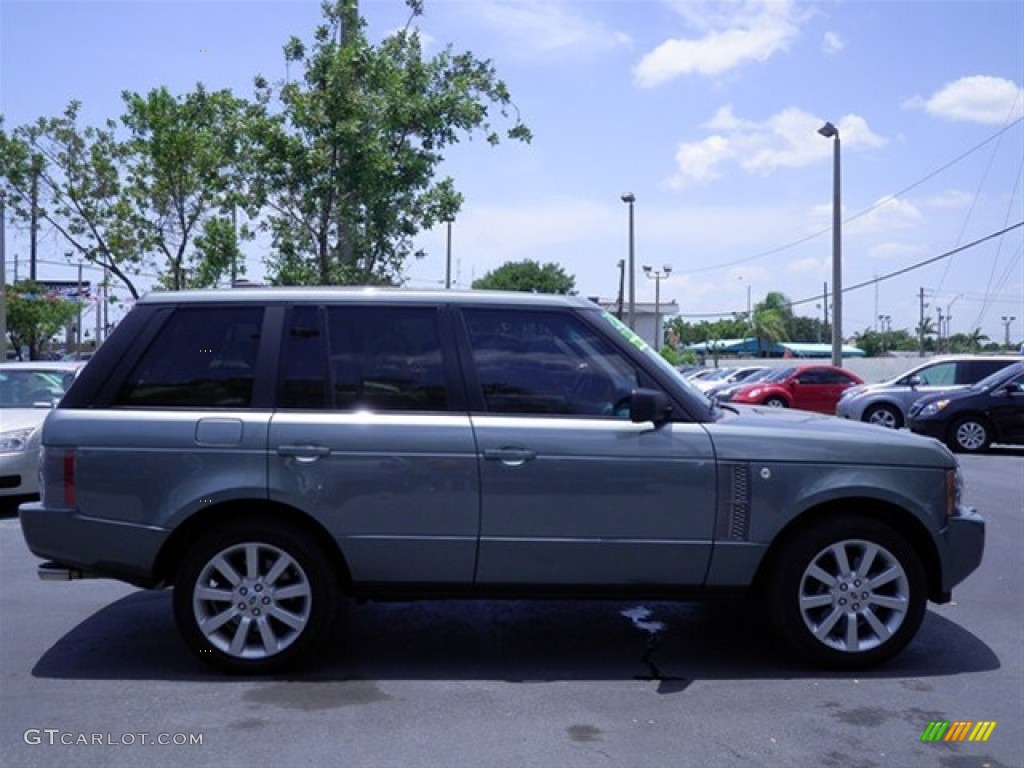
(883, 201)
(890, 275)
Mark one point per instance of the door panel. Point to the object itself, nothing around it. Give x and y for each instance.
(399, 492)
(599, 502)
(572, 491)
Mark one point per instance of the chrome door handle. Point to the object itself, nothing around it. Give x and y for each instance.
(305, 454)
(512, 457)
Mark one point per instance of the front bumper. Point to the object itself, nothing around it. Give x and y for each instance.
(960, 545)
(928, 428)
(19, 473)
(111, 549)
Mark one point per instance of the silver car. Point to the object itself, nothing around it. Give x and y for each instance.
(888, 403)
(28, 390)
(267, 452)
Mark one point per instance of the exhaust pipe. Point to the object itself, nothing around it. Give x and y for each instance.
(57, 572)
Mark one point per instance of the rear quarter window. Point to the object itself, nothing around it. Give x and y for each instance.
(202, 357)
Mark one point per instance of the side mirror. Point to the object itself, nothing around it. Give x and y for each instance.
(914, 381)
(649, 405)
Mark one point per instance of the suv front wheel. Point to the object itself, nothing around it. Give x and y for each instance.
(254, 596)
(848, 593)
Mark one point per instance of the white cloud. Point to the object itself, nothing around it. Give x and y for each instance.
(977, 99)
(896, 251)
(951, 199)
(808, 266)
(757, 30)
(787, 139)
(889, 214)
(542, 27)
(832, 43)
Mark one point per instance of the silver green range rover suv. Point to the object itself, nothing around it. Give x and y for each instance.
(270, 452)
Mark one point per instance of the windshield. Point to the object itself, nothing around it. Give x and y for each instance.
(27, 388)
(660, 361)
(779, 374)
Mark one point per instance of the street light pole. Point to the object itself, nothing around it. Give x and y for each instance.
(622, 283)
(448, 259)
(656, 275)
(1006, 330)
(829, 131)
(629, 198)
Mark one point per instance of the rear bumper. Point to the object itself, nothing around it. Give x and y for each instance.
(111, 549)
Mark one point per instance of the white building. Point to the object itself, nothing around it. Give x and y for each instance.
(646, 317)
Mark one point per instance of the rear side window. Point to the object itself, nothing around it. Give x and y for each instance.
(973, 371)
(357, 358)
(202, 357)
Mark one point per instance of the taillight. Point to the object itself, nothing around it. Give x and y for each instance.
(69, 477)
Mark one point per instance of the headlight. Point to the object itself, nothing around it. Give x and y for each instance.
(933, 408)
(15, 441)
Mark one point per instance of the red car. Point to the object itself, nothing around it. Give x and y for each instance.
(808, 387)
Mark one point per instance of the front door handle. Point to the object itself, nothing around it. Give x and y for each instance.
(512, 457)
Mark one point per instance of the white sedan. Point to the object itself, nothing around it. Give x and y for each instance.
(28, 391)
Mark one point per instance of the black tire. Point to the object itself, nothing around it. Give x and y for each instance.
(884, 416)
(847, 621)
(969, 434)
(255, 597)
(776, 402)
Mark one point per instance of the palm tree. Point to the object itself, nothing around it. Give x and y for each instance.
(925, 330)
(974, 339)
(771, 320)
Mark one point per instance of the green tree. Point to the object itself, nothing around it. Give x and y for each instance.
(351, 149)
(82, 190)
(925, 331)
(528, 276)
(184, 157)
(33, 316)
(160, 201)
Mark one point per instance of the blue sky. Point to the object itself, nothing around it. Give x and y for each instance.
(706, 111)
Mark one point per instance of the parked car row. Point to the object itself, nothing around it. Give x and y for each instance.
(968, 402)
(887, 403)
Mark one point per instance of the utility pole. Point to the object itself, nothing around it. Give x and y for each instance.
(938, 344)
(920, 326)
(3, 280)
(33, 224)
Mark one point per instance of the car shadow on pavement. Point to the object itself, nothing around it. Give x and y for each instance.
(672, 644)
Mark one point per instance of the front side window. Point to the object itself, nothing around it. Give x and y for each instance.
(549, 363)
(203, 357)
(938, 375)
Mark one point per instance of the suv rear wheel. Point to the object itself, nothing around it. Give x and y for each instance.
(254, 596)
(848, 593)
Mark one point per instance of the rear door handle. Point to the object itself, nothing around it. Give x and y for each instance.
(512, 457)
(304, 453)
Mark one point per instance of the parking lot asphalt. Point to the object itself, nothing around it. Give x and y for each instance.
(94, 674)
